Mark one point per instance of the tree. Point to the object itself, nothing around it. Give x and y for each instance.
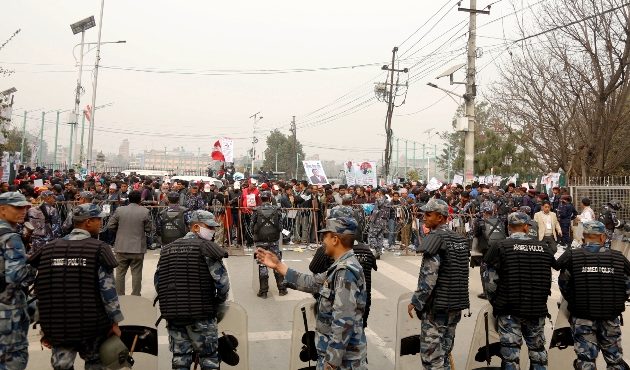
(14, 143)
(496, 150)
(413, 175)
(565, 95)
(283, 146)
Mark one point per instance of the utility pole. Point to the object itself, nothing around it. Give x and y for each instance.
(471, 91)
(41, 140)
(390, 112)
(295, 149)
(23, 137)
(406, 160)
(94, 83)
(56, 140)
(276, 161)
(256, 117)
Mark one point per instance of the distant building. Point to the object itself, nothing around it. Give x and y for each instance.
(176, 159)
(123, 149)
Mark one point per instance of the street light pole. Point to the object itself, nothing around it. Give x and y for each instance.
(98, 58)
(254, 138)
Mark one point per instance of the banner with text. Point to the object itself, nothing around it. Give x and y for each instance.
(360, 173)
(315, 172)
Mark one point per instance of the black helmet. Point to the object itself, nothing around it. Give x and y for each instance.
(615, 204)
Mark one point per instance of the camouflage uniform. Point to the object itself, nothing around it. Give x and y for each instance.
(46, 228)
(378, 225)
(513, 329)
(340, 340)
(15, 275)
(200, 336)
(437, 331)
(195, 202)
(591, 335)
(64, 357)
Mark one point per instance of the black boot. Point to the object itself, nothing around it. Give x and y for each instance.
(264, 287)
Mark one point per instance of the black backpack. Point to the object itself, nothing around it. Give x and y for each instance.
(494, 230)
(267, 227)
(173, 225)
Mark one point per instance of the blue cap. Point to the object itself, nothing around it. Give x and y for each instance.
(593, 228)
(203, 217)
(341, 225)
(86, 211)
(13, 198)
(341, 211)
(436, 205)
(518, 218)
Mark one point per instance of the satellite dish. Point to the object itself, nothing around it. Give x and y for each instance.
(451, 70)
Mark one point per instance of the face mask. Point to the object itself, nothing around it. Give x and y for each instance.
(205, 233)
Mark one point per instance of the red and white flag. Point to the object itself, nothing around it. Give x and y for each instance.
(87, 112)
(217, 154)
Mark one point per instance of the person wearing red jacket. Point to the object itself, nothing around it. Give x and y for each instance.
(250, 198)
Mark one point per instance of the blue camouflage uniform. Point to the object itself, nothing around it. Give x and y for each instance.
(340, 338)
(47, 223)
(201, 335)
(378, 225)
(513, 329)
(62, 357)
(15, 277)
(592, 335)
(437, 331)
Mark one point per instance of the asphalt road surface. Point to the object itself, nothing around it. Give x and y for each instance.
(270, 320)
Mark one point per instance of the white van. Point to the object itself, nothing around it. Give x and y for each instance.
(205, 179)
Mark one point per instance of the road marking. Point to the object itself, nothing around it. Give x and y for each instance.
(377, 295)
(294, 295)
(414, 261)
(397, 275)
(389, 353)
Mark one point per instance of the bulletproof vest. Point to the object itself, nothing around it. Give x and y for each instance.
(524, 270)
(451, 290)
(503, 208)
(367, 261)
(607, 218)
(185, 288)
(494, 231)
(267, 227)
(173, 225)
(71, 309)
(598, 284)
(533, 229)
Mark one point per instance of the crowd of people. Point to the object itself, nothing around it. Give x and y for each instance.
(60, 219)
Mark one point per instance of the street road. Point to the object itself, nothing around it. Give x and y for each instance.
(270, 320)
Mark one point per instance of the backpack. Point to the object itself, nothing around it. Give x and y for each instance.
(173, 226)
(267, 227)
(494, 230)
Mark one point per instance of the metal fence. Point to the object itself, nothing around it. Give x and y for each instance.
(117, 169)
(600, 181)
(600, 195)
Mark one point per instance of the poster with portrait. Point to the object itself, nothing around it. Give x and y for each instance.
(360, 173)
(315, 172)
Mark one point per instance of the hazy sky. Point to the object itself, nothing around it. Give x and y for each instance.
(185, 103)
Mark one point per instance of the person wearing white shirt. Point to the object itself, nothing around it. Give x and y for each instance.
(587, 212)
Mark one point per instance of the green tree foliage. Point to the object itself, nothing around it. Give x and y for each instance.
(496, 149)
(413, 175)
(282, 145)
(14, 143)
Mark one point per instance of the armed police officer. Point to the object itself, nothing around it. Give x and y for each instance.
(15, 276)
(378, 223)
(533, 225)
(519, 272)
(608, 217)
(266, 230)
(76, 292)
(173, 222)
(442, 291)
(340, 338)
(68, 224)
(321, 262)
(595, 281)
(192, 285)
(488, 230)
(45, 219)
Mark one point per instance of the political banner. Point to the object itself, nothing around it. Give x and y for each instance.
(360, 173)
(315, 172)
(227, 147)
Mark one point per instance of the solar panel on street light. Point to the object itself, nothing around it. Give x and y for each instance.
(83, 25)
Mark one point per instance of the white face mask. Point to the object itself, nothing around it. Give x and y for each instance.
(205, 233)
